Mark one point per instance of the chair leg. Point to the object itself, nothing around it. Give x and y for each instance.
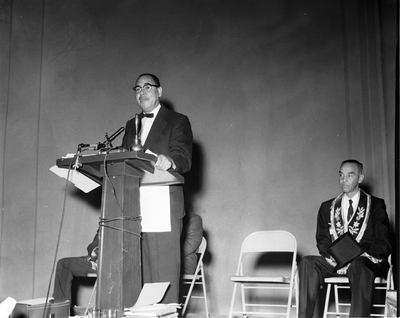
(205, 292)
(243, 299)
(327, 298)
(385, 312)
(233, 300)
(336, 290)
(91, 297)
(189, 294)
(297, 294)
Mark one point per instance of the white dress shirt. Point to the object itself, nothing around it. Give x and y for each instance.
(147, 123)
(345, 206)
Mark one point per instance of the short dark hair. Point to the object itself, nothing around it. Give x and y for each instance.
(155, 78)
(356, 162)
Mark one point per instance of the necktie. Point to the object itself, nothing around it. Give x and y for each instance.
(350, 210)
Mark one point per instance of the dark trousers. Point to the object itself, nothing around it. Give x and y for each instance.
(67, 269)
(361, 273)
(161, 259)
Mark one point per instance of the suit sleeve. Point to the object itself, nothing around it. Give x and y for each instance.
(193, 235)
(94, 243)
(378, 232)
(323, 224)
(181, 145)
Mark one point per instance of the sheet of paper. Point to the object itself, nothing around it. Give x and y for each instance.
(78, 179)
(151, 294)
(7, 306)
(155, 209)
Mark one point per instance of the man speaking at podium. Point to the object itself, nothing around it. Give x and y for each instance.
(168, 135)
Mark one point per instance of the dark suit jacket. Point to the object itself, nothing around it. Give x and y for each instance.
(170, 135)
(94, 244)
(376, 234)
(191, 239)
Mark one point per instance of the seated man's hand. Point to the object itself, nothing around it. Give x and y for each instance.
(94, 265)
(93, 255)
(331, 261)
(343, 270)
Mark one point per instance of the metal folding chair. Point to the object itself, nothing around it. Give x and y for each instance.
(267, 245)
(380, 283)
(198, 278)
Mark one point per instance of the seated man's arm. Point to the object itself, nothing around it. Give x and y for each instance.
(323, 236)
(94, 244)
(377, 234)
(193, 235)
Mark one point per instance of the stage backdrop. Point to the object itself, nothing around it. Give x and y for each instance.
(278, 93)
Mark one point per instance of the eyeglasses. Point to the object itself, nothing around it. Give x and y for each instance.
(146, 88)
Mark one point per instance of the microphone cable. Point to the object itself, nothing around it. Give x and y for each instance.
(104, 222)
(58, 238)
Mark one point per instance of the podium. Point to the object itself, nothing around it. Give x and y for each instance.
(119, 277)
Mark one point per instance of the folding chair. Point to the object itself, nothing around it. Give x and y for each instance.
(93, 292)
(198, 278)
(271, 246)
(338, 283)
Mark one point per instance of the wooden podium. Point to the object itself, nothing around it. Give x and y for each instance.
(119, 277)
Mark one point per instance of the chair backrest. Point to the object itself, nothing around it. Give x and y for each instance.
(389, 276)
(269, 241)
(202, 247)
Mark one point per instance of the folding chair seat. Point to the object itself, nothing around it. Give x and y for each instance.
(266, 275)
(198, 278)
(338, 283)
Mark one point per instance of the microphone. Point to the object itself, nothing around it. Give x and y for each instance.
(116, 134)
(97, 146)
(102, 145)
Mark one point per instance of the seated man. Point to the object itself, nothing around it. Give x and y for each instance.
(191, 240)
(70, 267)
(365, 218)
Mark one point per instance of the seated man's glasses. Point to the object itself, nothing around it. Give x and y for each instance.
(145, 88)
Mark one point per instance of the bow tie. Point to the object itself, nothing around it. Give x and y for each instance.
(141, 115)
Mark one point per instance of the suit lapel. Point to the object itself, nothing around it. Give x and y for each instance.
(156, 129)
(358, 222)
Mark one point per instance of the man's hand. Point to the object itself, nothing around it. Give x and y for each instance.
(343, 270)
(331, 261)
(164, 163)
(93, 256)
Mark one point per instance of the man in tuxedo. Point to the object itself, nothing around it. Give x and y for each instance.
(168, 135)
(365, 218)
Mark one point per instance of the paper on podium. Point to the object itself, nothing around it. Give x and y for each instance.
(78, 179)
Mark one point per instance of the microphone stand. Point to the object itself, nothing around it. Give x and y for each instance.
(77, 164)
(108, 143)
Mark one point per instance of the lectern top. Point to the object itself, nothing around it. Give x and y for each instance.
(135, 163)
